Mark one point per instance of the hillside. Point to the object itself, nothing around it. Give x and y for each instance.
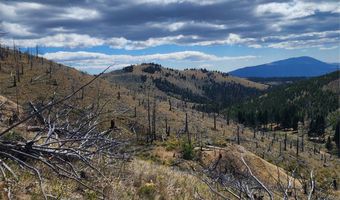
(177, 156)
(292, 67)
(210, 90)
(307, 101)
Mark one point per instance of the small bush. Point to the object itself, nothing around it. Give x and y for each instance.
(13, 136)
(171, 144)
(148, 190)
(187, 151)
(91, 195)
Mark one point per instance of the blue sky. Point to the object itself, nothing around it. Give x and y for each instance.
(216, 34)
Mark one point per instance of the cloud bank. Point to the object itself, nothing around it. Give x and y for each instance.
(134, 25)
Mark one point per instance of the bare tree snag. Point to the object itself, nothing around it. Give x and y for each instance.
(238, 134)
(149, 120)
(297, 146)
(154, 120)
(285, 143)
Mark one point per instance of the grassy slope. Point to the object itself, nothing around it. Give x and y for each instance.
(199, 124)
(200, 86)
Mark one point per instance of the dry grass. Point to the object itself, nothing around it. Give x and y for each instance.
(167, 183)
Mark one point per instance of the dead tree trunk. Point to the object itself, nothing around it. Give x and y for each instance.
(214, 121)
(166, 127)
(280, 148)
(228, 117)
(285, 143)
(187, 128)
(297, 146)
(302, 144)
(154, 120)
(238, 135)
(18, 74)
(149, 121)
(14, 81)
(82, 93)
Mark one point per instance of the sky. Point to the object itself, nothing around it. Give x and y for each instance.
(215, 34)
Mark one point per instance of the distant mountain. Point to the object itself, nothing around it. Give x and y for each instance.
(292, 67)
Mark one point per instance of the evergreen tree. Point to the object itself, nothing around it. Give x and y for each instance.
(329, 145)
(317, 126)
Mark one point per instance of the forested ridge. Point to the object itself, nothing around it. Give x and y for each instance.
(286, 105)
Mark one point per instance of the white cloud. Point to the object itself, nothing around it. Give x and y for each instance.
(10, 11)
(78, 13)
(123, 43)
(297, 9)
(304, 40)
(304, 44)
(60, 40)
(71, 40)
(313, 35)
(177, 26)
(174, 26)
(329, 48)
(230, 40)
(7, 11)
(165, 2)
(85, 59)
(15, 29)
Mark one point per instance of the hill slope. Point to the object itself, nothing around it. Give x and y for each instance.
(212, 90)
(292, 67)
(313, 99)
(127, 102)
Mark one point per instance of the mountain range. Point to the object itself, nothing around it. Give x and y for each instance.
(292, 67)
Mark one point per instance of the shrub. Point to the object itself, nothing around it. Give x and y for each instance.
(187, 151)
(148, 190)
(13, 136)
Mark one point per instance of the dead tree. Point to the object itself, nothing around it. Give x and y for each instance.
(285, 143)
(297, 146)
(82, 93)
(14, 81)
(228, 118)
(238, 134)
(302, 143)
(214, 121)
(186, 129)
(18, 73)
(166, 127)
(61, 143)
(118, 95)
(335, 184)
(170, 105)
(154, 120)
(149, 121)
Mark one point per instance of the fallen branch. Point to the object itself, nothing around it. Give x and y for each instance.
(256, 179)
